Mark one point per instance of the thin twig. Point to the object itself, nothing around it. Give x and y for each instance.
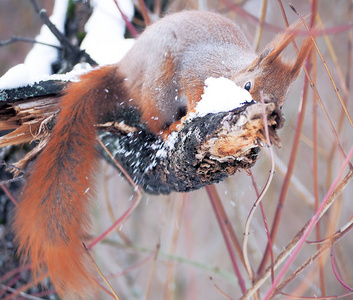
(259, 28)
(337, 273)
(157, 7)
(64, 41)
(15, 39)
(22, 294)
(136, 199)
(228, 224)
(321, 259)
(326, 67)
(347, 228)
(189, 242)
(110, 209)
(212, 193)
(293, 243)
(341, 296)
(133, 267)
(149, 285)
(220, 290)
(122, 219)
(7, 192)
(18, 178)
(100, 272)
(24, 288)
(137, 189)
(252, 19)
(144, 12)
(127, 22)
(15, 271)
(322, 209)
(345, 81)
(10, 166)
(258, 200)
(265, 223)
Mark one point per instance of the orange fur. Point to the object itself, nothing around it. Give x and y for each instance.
(52, 219)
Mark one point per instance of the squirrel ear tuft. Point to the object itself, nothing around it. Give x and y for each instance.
(282, 40)
(304, 52)
(275, 48)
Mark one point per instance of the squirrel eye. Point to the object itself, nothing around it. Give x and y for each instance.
(247, 86)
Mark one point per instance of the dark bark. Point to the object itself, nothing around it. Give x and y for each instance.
(206, 149)
(196, 158)
(42, 88)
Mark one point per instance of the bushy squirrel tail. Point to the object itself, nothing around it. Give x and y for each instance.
(52, 219)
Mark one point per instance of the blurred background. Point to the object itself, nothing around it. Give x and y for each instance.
(18, 18)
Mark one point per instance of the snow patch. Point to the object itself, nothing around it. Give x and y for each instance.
(40, 58)
(37, 64)
(105, 41)
(221, 95)
(172, 138)
(73, 75)
(15, 77)
(20, 75)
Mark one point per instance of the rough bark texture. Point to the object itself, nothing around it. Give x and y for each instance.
(206, 150)
(42, 88)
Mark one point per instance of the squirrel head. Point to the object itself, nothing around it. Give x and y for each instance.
(269, 73)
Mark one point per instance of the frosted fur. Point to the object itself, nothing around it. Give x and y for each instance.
(215, 36)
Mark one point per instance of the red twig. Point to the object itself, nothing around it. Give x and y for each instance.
(220, 290)
(252, 19)
(336, 273)
(144, 12)
(6, 191)
(212, 193)
(136, 199)
(291, 164)
(310, 226)
(133, 267)
(127, 22)
(118, 222)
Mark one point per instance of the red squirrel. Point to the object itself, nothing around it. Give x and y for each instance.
(162, 77)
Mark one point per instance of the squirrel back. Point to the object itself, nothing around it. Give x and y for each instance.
(162, 78)
(183, 50)
(169, 63)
